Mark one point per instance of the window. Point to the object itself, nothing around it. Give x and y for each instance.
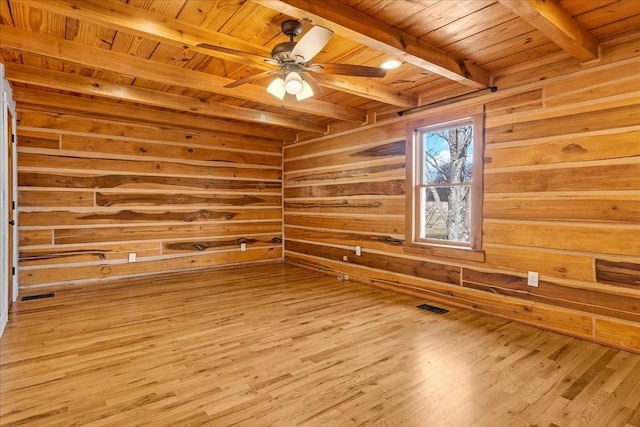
(444, 200)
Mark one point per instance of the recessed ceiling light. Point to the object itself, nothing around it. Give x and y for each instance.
(390, 64)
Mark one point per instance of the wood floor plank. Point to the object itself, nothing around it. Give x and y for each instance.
(278, 345)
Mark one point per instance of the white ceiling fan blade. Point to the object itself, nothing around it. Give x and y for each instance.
(311, 44)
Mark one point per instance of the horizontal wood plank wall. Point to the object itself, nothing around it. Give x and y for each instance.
(93, 191)
(561, 197)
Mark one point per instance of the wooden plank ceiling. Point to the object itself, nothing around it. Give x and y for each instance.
(127, 53)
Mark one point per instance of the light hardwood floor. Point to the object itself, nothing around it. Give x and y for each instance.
(276, 345)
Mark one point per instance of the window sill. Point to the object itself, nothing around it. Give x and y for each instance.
(466, 254)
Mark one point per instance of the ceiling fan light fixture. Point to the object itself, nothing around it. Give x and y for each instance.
(276, 88)
(293, 58)
(306, 91)
(293, 83)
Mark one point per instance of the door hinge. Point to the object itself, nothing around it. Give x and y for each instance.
(13, 205)
(13, 138)
(13, 271)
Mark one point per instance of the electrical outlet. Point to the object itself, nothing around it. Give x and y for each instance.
(532, 278)
(132, 257)
(359, 250)
(243, 247)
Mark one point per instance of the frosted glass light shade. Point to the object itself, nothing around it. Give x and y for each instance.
(306, 91)
(276, 88)
(293, 83)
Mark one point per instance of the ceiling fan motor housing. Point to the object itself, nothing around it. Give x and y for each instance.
(282, 51)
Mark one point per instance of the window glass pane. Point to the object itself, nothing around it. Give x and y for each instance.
(447, 154)
(434, 213)
(446, 213)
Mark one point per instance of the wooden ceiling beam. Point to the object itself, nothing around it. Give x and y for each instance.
(106, 110)
(355, 25)
(556, 23)
(91, 86)
(95, 57)
(376, 91)
(152, 26)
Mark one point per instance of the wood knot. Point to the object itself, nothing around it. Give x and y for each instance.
(391, 240)
(573, 149)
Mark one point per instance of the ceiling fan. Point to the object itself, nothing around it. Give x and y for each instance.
(293, 62)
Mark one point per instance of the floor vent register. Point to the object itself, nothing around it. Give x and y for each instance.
(433, 308)
(39, 296)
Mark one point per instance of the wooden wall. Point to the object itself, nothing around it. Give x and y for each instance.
(93, 191)
(561, 197)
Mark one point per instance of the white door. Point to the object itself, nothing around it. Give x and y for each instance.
(8, 199)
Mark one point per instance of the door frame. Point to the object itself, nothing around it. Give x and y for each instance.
(7, 198)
